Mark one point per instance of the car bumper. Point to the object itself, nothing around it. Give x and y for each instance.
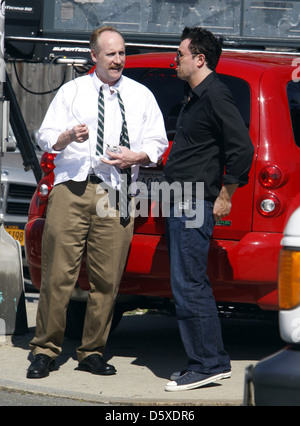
(242, 271)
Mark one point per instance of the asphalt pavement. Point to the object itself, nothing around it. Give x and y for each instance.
(145, 349)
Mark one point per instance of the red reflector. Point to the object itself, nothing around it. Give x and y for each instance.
(47, 163)
(270, 177)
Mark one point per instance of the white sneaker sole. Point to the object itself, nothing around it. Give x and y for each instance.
(174, 387)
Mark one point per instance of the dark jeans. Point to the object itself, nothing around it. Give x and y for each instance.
(196, 310)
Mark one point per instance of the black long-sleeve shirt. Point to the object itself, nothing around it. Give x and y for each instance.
(212, 143)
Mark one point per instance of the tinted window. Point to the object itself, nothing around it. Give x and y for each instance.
(241, 94)
(170, 90)
(167, 89)
(293, 92)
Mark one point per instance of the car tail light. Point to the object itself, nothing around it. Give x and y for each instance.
(44, 187)
(289, 279)
(270, 177)
(268, 205)
(47, 163)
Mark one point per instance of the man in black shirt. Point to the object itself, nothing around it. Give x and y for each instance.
(211, 145)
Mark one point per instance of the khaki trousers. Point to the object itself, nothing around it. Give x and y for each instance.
(72, 223)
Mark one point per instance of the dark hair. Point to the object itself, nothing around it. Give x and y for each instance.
(203, 41)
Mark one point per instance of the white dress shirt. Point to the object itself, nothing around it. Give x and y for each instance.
(77, 103)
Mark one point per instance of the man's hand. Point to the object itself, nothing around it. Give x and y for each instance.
(125, 158)
(222, 204)
(79, 133)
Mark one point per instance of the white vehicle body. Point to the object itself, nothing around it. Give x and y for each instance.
(275, 380)
(289, 319)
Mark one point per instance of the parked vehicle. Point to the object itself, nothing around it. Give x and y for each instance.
(245, 247)
(275, 380)
(18, 187)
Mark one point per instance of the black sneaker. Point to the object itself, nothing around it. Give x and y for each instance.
(177, 374)
(192, 380)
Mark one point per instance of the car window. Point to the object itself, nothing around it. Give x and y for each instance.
(241, 94)
(167, 89)
(170, 91)
(293, 93)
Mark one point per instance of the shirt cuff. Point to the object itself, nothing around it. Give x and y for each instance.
(152, 154)
(229, 180)
(47, 142)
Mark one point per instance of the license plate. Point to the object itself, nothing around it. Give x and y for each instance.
(17, 233)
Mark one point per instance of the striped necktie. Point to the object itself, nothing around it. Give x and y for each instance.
(125, 196)
(100, 129)
(124, 138)
(124, 141)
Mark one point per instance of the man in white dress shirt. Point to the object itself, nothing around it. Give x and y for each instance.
(70, 130)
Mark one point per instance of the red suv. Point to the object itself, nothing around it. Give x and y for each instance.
(245, 246)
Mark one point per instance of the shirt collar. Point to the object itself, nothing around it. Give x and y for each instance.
(198, 90)
(98, 83)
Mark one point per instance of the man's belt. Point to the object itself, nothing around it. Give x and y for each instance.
(94, 179)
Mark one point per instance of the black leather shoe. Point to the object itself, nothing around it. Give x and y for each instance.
(40, 367)
(95, 364)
